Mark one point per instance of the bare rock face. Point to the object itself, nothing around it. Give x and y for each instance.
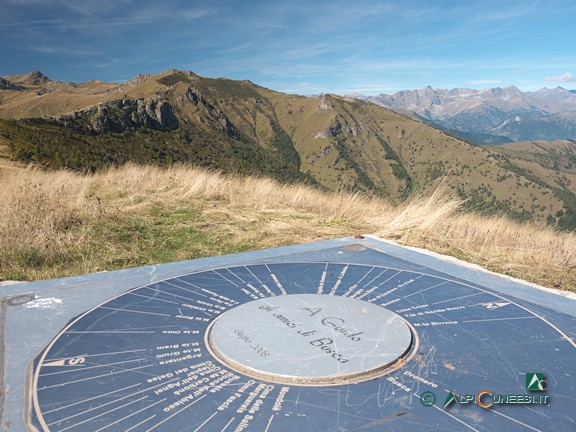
(208, 113)
(323, 105)
(8, 85)
(126, 114)
(36, 78)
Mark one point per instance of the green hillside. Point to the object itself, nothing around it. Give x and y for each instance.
(332, 142)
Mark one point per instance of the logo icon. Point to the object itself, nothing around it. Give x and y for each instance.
(428, 398)
(535, 381)
(449, 399)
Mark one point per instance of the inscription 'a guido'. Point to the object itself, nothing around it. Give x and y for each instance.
(337, 325)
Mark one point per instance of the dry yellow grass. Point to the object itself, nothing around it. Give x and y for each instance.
(60, 223)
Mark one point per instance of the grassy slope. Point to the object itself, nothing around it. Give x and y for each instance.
(551, 164)
(400, 156)
(61, 223)
(341, 144)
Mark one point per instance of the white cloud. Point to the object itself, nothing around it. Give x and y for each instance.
(565, 77)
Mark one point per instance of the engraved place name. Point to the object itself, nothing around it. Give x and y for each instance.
(252, 404)
(388, 303)
(219, 298)
(390, 291)
(412, 308)
(436, 311)
(421, 379)
(435, 323)
(178, 332)
(213, 309)
(190, 383)
(191, 318)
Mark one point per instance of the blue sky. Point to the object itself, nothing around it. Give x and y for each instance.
(296, 46)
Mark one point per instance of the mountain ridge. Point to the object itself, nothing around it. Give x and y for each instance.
(333, 142)
(543, 114)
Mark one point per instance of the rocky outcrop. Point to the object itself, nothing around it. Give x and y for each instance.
(210, 114)
(8, 85)
(125, 114)
(35, 78)
(343, 126)
(323, 106)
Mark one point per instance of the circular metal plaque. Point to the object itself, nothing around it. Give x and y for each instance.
(310, 339)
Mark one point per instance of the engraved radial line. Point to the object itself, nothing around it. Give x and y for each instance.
(225, 278)
(130, 415)
(374, 288)
(100, 415)
(276, 281)
(152, 298)
(501, 319)
(89, 410)
(94, 355)
(94, 377)
(322, 280)
(228, 424)
(426, 289)
(320, 407)
(355, 285)
(381, 273)
(186, 283)
(417, 277)
(134, 311)
(141, 423)
(184, 289)
(394, 275)
(116, 400)
(83, 368)
(194, 310)
(269, 423)
(457, 298)
(176, 295)
(252, 273)
(363, 277)
(195, 286)
(108, 331)
(206, 421)
(515, 421)
(176, 413)
(237, 277)
(339, 280)
(90, 399)
(564, 335)
(455, 418)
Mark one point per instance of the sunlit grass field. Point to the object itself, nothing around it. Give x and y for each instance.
(59, 223)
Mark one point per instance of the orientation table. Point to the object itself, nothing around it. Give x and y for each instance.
(353, 334)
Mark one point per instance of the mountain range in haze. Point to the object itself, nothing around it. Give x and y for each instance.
(493, 115)
(332, 142)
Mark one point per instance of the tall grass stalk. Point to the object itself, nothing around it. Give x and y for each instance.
(60, 223)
